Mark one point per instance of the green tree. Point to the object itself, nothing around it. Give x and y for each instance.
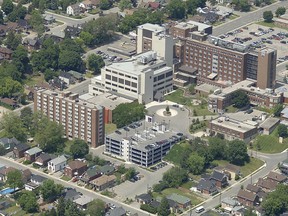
(280, 11)
(277, 110)
(176, 9)
(96, 208)
(217, 148)
(37, 22)
(237, 152)
(7, 6)
(70, 60)
(268, 16)
(20, 59)
(282, 131)
(49, 135)
(50, 191)
(249, 212)
(95, 63)
(164, 208)
(196, 163)
(61, 206)
(127, 113)
(175, 177)
(1, 18)
(79, 148)
(131, 172)
(87, 38)
(13, 40)
(14, 179)
(13, 126)
(28, 202)
(240, 99)
(192, 5)
(9, 87)
(125, 4)
(50, 74)
(26, 116)
(105, 4)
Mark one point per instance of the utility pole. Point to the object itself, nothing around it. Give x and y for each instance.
(251, 178)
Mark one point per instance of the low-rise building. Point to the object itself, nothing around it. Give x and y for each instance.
(73, 10)
(220, 179)
(43, 159)
(206, 186)
(283, 166)
(267, 185)
(228, 204)
(144, 198)
(91, 174)
(269, 125)
(83, 201)
(8, 143)
(32, 154)
(277, 177)
(18, 150)
(57, 164)
(103, 182)
(247, 198)
(37, 179)
(233, 129)
(144, 145)
(75, 168)
(181, 201)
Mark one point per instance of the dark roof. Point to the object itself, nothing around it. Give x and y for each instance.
(23, 23)
(267, 184)
(71, 194)
(145, 197)
(44, 156)
(205, 184)
(118, 211)
(6, 140)
(253, 188)
(107, 169)
(76, 164)
(155, 203)
(247, 195)
(38, 178)
(217, 175)
(276, 176)
(22, 147)
(5, 50)
(65, 75)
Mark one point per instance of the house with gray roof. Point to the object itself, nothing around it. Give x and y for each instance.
(57, 164)
(8, 143)
(32, 154)
(71, 194)
(182, 201)
(83, 201)
(38, 179)
(229, 203)
(107, 169)
(118, 211)
(207, 186)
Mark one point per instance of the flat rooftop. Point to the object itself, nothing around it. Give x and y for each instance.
(107, 100)
(144, 135)
(184, 25)
(232, 124)
(206, 87)
(135, 66)
(269, 123)
(152, 27)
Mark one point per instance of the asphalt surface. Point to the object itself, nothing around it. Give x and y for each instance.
(84, 191)
(247, 18)
(271, 162)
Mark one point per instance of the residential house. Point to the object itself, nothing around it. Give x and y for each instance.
(49, 19)
(75, 168)
(220, 179)
(107, 169)
(118, 211)
(277, 177)
(238, 211)
(283, 166)
(32, 154)
(207, 186)
(67, 78)
(72, 31)
(247, 198)
(182, 201)
(4, 172)
(43, 159)
(144, 198)
(253, 188)
(73, 10)
(26, 175)
(57, 83)
(233, 170)
(83, 201)
(8, 143)
(23, 24)
(8, 101)
(266, 184)
(229, 203)
(71, 194)
(6, 53)
(57, 39)
(37, 179)
(89, 4)
(91, 174)
(30, 186)
(31, 44)
(103, 182)
(57, 164)
(19, 149)
(78, 76)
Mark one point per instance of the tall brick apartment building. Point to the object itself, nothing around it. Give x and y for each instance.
(80, 119)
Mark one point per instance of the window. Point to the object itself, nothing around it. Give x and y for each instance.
(114, 79)
(108, 77)
(127, 82)
(160, 77)
(134, 85)
(121, 80)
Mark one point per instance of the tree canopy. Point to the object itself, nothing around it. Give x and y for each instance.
(95, 63)
(14, 179)
(240, 99)
(176, 9)
(164, 208)
(282, 131)
(277, 110)
(280, 11)
(50, 191)
(28, 202)
(79, 148)
(196, 163)
(237, 152)
(268, 16)
(96, 208)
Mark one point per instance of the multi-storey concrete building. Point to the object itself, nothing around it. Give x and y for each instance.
(144, 77)
(145, 144)
(155, 37)
(80, 119)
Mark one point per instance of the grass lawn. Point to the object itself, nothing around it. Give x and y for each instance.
(202, 110)
(65, 178)
(34, 80)
(68, 144)
(94, 11)
(89, 75)
(175, 153)
(110, 128)
(231, 109)
(221, 163)
(233, 16)
(270, 143)
(2, 133)
(189, 184)
(270, 25)
(177, 97)
(195, 200)
(15, 210)
(251, 166)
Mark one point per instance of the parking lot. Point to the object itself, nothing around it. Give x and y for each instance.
(115, 51)
(258, 36)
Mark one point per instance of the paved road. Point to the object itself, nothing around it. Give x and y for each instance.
(246, 18)
(271, 163)
(10, 162)
(80, 88)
